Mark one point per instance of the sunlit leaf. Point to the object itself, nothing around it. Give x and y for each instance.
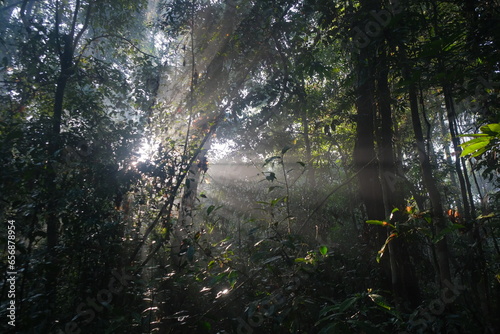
(474, 135)
(323, 250)
(375, 222)
(154, 308)
(491, 129)
(379, 300)
(382, 250)
(490, 215)
(379, 222)
(272, 259)
(259, 242)
(474, 145)
(277, 200)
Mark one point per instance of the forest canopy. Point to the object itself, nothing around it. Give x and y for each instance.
(239, 166)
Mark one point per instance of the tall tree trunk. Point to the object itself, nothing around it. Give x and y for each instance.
(52, 271)
(364, 150)
(404, 280)
(364, 155)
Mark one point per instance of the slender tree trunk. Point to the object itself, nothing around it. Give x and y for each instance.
(183, 232)
(456, 146)
(439, 222)
(479, 276)
(454, 181)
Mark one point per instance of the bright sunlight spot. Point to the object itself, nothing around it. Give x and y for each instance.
(146, 150)
(220, 150)
(222, 293)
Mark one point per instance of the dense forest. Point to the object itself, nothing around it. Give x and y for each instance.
(250, 166)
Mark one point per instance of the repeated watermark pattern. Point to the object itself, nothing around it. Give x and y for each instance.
(417, 324)
(482, 89)
(76, 154)
(86, 311)
(361, 38)
(268, 307)
(420, 322)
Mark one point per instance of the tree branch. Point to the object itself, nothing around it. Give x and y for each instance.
(114, 36)
(84, 28)
(75, 18)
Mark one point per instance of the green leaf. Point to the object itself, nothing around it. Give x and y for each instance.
(474, 145)
(491, 129)
(479, 152)
(379, 222)
(274, 187)
(375, 222)
(277, 200)
(474, 135)
(212, 208)
(271, 177)
(379, 300)
(481, 142)
(490, 215)
(329, 328)
(285, 149)
(348, 303)
(323, 250)
(206, 325)
(392, 214)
